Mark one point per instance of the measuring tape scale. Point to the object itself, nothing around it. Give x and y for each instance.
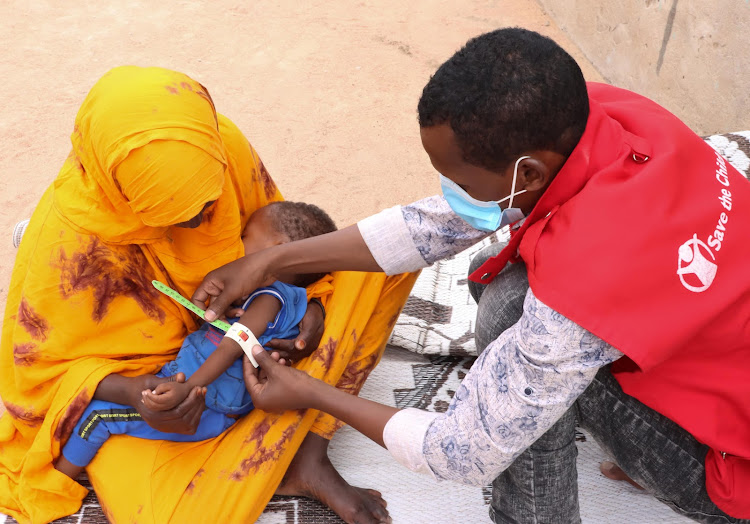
(184, 302)
(237, 332)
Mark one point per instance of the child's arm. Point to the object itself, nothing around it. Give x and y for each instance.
(262, 310)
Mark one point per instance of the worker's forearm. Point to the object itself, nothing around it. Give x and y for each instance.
(366, 416)
(343, 250)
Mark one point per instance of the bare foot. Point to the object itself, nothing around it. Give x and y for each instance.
(312, 475)
(613, 471)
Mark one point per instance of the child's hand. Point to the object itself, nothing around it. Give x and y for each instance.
(235, 310)
(166, 396)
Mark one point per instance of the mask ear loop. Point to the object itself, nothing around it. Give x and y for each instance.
(513, 184)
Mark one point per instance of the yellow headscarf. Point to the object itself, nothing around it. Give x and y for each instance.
(149, 151)
(148, 146)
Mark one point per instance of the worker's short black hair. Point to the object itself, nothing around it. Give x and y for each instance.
(297, 221)
(508, 92)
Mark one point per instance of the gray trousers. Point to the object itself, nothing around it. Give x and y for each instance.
(541, 486)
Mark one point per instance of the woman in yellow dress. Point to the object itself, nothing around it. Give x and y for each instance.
(159, 186)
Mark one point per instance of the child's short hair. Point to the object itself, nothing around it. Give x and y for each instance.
(297, 221)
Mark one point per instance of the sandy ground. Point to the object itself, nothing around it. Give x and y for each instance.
(325, 90)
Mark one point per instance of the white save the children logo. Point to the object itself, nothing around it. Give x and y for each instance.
(694, 268)
(696, 262)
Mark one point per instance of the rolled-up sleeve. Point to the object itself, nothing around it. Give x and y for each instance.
(403, 437)
(390, 242)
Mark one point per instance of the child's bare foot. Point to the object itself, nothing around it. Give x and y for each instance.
(63, 465)
(612, 471)
(312, 475)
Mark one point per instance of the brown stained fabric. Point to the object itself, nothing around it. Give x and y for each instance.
(110, 274)
(269, 186)
(357, 372)
(209, 214)
(392, 320)
(263, 454)
(325, 353)
(258, 434)
(24, 415)
(72, 415)
(33, 323)
(74, 159)
(190, 486)
(24, 354)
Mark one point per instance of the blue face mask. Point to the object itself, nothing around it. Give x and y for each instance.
(482, 215)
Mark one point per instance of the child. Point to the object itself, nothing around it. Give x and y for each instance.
(206, 358)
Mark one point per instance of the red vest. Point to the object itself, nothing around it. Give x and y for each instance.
(642, 239)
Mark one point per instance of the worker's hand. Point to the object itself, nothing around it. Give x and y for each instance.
(222, 286)
(274, 386)
(311, 329)
(183, 418)
(165, 396)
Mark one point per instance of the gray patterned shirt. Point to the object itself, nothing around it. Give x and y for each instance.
(516, 390)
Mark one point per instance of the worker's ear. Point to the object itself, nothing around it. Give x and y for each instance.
(533, 174)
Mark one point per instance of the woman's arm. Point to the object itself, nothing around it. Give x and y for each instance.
(122, 390)
(183, 418)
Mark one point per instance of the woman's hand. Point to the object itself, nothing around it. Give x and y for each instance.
(311, 329)
(183, 418)
(274, 386)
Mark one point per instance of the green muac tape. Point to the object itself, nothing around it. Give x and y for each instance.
(184, 302)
